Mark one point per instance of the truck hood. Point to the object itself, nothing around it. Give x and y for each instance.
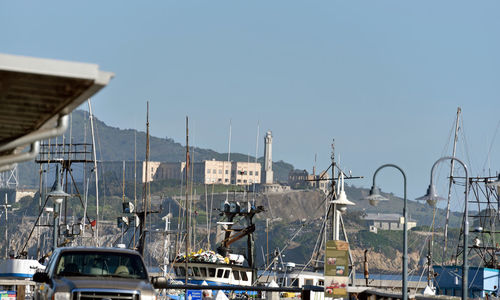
(102, 283)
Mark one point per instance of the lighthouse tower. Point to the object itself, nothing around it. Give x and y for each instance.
(267, 176)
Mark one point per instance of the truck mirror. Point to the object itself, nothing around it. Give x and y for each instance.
(159, 282)
(41, 277)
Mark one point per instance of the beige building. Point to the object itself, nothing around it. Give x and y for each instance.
(245, 173)
(300, 179)
(207, 172)
(133, 170)
(380, 221)
(212, 172)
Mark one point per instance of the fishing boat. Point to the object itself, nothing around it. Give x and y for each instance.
(212, 268)
(295, 277)
(18, 268)
(223, 267)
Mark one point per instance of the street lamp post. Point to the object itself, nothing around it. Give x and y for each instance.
(58, 195)
(375, 197)
(431, 197)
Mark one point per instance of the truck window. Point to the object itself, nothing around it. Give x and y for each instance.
(110, 264)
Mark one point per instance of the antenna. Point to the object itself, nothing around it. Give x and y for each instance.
(229, 143)
(256, 155)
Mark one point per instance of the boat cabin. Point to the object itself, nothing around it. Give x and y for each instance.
(298, 279)
(214, 274)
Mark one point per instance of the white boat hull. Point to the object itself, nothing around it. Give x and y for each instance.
(19, 268)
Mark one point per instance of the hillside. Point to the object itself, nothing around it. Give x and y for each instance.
(115, 144)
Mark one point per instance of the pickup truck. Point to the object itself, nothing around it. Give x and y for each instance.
(76, 273)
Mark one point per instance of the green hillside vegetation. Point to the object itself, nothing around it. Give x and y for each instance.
(115, 144)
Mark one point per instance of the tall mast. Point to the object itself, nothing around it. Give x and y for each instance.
(229, 143)
(135, 174)
(145, 196)
(457, 127)
(187, 195)
(145, 171)
(6, 206)
(91, 117)
(123, 181)
(333, 196)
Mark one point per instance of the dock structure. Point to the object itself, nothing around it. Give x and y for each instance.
(23, 288)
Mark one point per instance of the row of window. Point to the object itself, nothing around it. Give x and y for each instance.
(202, 272)
(215, 171)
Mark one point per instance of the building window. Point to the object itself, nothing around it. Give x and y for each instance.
(226, 180)
(215, 171)
(256, 173)
(220, 171)
(226, 172)
(239, 180)
(208, 171)
(251, 173)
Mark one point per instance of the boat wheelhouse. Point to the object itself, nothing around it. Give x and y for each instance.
(213, 273)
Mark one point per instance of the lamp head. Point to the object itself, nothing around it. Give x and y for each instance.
(431, 196)
(57, 191)
(375, 197)
(342, 202)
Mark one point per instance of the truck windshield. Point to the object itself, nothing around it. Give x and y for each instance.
(109, 264)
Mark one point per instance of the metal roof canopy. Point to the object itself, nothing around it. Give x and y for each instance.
(36, 92)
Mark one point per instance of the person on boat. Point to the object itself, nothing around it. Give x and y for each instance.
(206, 295)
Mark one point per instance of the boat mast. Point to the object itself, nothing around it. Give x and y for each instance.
(457, 127)
(6, 206)
(142, 235)
(187, 195)
(135, 176)
(91, 117)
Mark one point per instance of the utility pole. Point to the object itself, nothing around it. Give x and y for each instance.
(6, 206)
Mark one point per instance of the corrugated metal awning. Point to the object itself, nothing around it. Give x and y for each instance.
(35, 92)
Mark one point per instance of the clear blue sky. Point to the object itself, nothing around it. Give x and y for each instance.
(384, 78)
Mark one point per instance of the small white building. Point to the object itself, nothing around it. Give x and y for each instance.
(380, 221)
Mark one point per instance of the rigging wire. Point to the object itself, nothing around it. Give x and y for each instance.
(423, 269)
(488, 156)
(467, 152)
